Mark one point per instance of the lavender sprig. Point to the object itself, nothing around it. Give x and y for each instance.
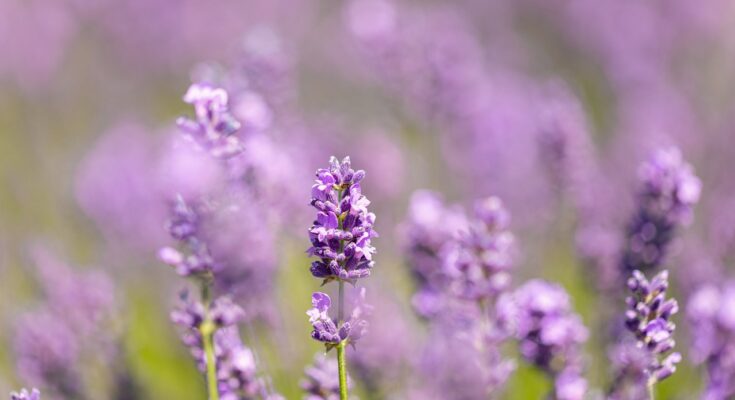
(668, 191)
(341, 239)
(648, 317)
(24, 394)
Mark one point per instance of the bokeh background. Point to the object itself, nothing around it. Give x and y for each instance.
(439, 95)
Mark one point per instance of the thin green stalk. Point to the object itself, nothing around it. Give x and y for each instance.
(342, 369)
(207, 331)
(650, 391)
(208, 338)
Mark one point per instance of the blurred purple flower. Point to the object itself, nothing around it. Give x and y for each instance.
(321, 380)
(711, 314)
(668, 191)
(214, 127)
(478, 263)
(24, 394)
(551, 335)
(429, 228)
(74, 326)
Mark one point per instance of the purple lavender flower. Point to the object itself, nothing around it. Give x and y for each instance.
(24, 394)
(72, 328)
(710, 313)
(184, 226)
(551, 336)
(341, 234)
(669, 189)
(214, 126)
(429, 229)
(478, 264)
(321, 381)
(327, 330)
(640, 364)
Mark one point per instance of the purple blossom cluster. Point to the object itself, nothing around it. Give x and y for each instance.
(327, 330)
(74, 327)
(341, 235)
(710, 314)
(642, 363)
(550, 334)
(321, 381)
(668, 191)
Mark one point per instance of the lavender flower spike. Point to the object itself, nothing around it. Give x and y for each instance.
(34, 394)
(214, 126)
(649, 319)
(669, 190)
(341, 234)
(340, 238)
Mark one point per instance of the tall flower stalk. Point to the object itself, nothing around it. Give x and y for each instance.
(210, 322)
(340, 239)
(645, 360)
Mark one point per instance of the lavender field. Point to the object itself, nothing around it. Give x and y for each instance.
(367, 199)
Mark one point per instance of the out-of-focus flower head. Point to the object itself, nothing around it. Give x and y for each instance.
(668, 192)
(711, 314)
(551, 335)
(479, 262)
(321, 379)
(429, 228)
(343, 229)
(214, 127)
(24, 394)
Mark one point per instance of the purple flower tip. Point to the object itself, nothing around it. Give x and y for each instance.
(34, 394)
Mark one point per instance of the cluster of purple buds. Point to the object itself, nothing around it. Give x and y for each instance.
(478, 264)
(430, 228)
(214, 127)
(550, 334)
(648, 317)
(320, 381)
(341, 234)
(192, 315)
(24, 394)
(236, 369)
(184, 227)
(669, 190)
(711, 312)
(327, 329)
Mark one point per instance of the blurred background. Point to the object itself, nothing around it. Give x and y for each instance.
(455, 97)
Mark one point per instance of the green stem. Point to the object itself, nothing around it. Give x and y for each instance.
(207, 330)
(342, 369)
(650, 391)
(208, 338)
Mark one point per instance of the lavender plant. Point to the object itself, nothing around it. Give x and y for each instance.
(210, 322)
(648, 318)
(341, 240)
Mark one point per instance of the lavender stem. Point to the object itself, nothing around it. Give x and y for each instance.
(342, 365)
(207, 331)
(650, 391)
